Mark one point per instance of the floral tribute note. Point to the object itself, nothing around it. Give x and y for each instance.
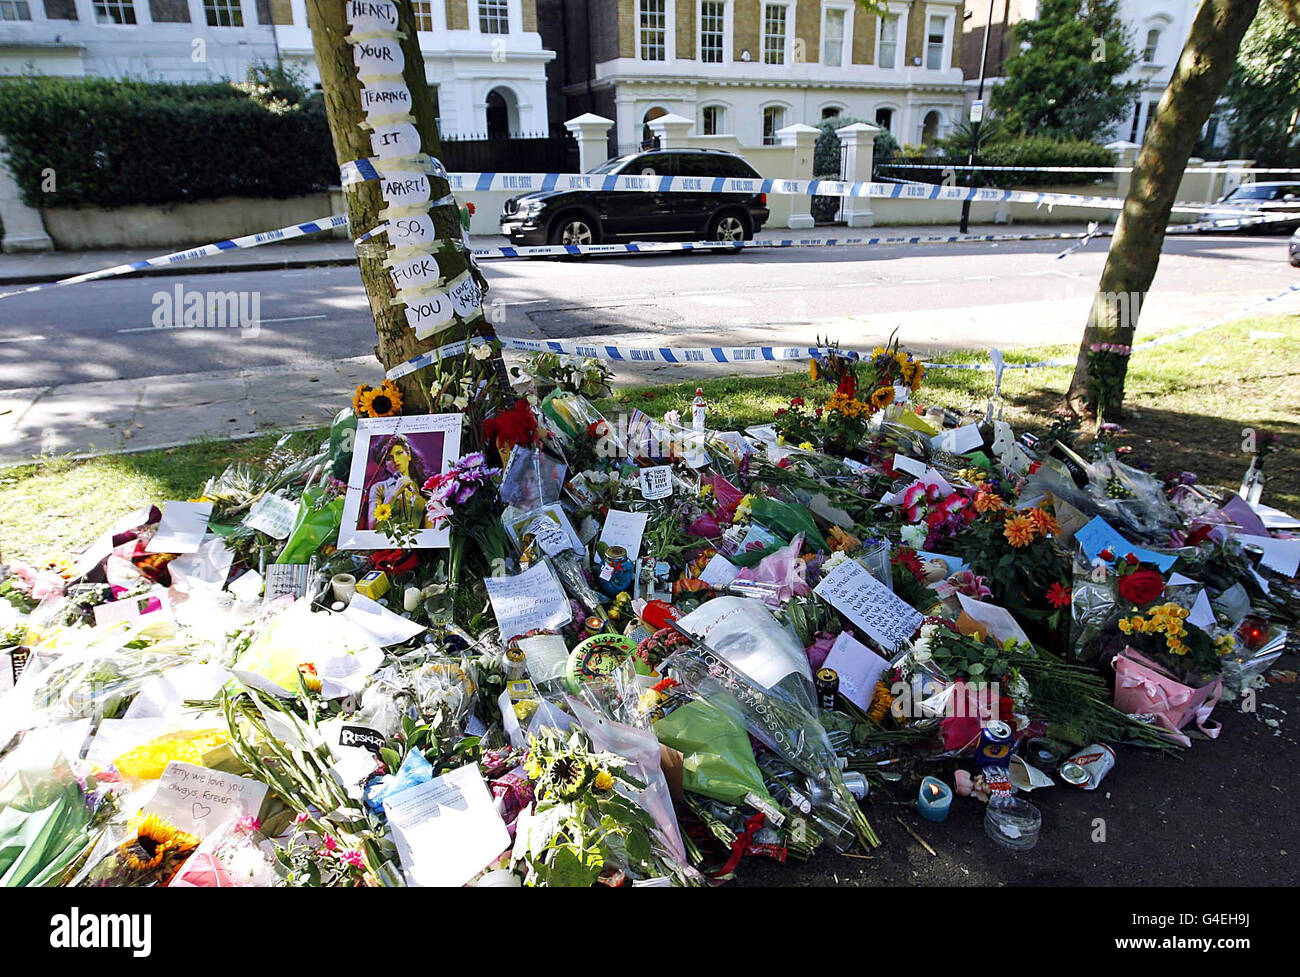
(869, 604)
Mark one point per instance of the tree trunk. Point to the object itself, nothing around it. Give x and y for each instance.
(342, 89)
(1203, 68)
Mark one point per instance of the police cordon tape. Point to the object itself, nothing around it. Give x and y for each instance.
(203, 251)
(726, 355)
(644, 247)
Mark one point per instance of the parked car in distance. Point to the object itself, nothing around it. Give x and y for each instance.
(602, 216)
(1293, 248)
(1278, 198)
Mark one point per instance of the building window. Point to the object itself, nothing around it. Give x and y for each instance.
(773, 119)
(774, 34)
(1153, 44)
(493, 17)
(1137, 114)
(833, 38)
(423, 10)
(713, 22)
(936, 32)
(885, 119)
(654, 30)
(831, 112)
(223, 13)
(15, 10)
(887, 50)
(713, 120)
(115, 11)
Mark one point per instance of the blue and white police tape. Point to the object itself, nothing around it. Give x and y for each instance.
(463, 183)
(726, 355)
(204, 251)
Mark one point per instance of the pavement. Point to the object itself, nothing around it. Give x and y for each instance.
(84, 371)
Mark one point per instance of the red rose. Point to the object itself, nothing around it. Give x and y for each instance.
(1131, 559)
(1141, 586)
(1106, 554)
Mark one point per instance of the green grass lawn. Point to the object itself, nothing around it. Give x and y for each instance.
(1188, 402)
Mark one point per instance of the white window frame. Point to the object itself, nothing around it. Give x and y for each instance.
(415, 10)
(762, 122)
(846, 42)
(897, 115)
(478, 24)
(945, 57)
(1150, 52)
(787, 51)
(724, 111)
(135, 6)
(899, 10)
(728, 32)
(228, 5)
(13, 6)
(670, 33)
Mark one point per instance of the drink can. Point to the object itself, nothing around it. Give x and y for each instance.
(1088, 767)
(828, 684)
(856, 782)
(994, 748)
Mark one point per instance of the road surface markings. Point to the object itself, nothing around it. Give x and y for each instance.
(22, 339)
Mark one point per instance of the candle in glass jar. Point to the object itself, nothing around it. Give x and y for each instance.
(933, 799)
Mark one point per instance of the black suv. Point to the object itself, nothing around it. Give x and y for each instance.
(596, 216)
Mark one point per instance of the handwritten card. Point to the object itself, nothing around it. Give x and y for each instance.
(528, 601)
(657, 482)
(858, 667)
(466, 295)
(272, 515)
(182, 527)
(199, 800)
(870, 605)
(624, 529)
(719, 572)
(380, 625)
(446, 830)
(429, 313)
(1099, 535)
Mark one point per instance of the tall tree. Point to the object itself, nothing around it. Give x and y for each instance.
(1064, 79)
(1207, 59)
(342, 90)
(1263, 90)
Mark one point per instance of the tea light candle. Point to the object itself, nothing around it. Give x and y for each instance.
(933, 799)
(412, 598)
(344, 585)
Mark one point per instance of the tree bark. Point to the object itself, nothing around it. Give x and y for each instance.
(1203, 68)
(342, 89)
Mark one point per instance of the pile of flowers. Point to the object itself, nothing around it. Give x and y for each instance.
(630, 652)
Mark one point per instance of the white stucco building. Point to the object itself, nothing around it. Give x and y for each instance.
(484, 56)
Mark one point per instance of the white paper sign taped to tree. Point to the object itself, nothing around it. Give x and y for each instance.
(378, 56)
(412, 273)
(381, 98)
(371, 15)
(429, 313)
(405, 189)
(869, 604)
(409, 232)
(466, 296)
(398, 139)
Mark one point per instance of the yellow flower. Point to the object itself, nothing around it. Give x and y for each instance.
(1019, 531)
(1125, 625)
(812, 370)
(882, 398)
(154, 838)
(806, 446)
(603, 780)
(1045, 522)
(384, 400)
(383, 511)
(533, 767)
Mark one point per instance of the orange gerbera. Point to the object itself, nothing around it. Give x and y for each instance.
(1045, 522)
(989, 502)
(1019, 531)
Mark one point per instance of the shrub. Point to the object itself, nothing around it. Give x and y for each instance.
(1030, 152)
(114, 143)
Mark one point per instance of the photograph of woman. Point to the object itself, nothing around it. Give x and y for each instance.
(395, 479)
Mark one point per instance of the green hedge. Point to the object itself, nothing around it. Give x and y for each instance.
(115, 143)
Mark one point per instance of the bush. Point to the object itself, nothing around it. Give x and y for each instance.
(114, 143)
(826, 160)
(1030, 152)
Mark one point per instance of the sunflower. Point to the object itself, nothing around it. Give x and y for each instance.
(882, 398)
(154, 839)
(568, 776)
(1019, 531)
(384, 400)
(310, 679)
(383, 511)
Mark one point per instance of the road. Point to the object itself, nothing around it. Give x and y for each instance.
(72, 359)
(939, 296)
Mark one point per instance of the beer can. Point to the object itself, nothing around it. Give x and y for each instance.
(514, 664)
(828, 684)
(856, 782)
(1088, 767)
(994, 748)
